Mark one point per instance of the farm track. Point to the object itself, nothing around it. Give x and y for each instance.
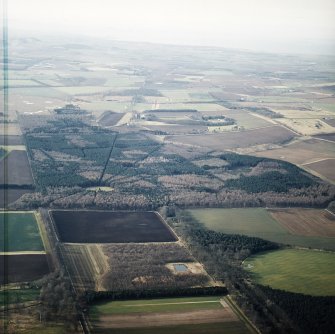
(107, 161)
(86, 265)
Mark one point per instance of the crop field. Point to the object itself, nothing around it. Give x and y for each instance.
(246, 119)
(23, 268)
(109, 118)
(22, 232)
(295, 270)
(328, 136)
(111, 227)
(168, 315)
(271, 134)
(301, 152)
(262, 223)
(18, 168)
(307, 222)
(306, 126)
(324, 167)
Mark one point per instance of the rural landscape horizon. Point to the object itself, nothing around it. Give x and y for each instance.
(167, 167)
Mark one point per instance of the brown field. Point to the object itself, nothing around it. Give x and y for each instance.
(164, 319)
(109, 118)
(222, 141)
(301, 152)
(328, 136)
(23, 268)
(306, 222)
(172, 129)
(324, 167)
(330, 121)
(19, 173)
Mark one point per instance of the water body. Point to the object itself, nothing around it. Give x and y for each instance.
(180, 268)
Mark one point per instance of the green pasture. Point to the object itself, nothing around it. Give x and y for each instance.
(303, 271)
(256, 222)
(22, 232)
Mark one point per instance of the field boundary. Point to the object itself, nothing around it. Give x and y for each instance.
(240, 314)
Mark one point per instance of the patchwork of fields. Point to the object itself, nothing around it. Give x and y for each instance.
(22, 254)
(298, 227)
(114, 251)
(156, 130)
(231, 140)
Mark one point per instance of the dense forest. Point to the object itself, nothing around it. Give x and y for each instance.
(312, 314)
(71, 160)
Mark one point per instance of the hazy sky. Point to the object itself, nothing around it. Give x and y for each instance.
(273, 25)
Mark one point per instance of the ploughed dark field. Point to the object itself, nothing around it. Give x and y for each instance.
(23, 268)
(111, 227)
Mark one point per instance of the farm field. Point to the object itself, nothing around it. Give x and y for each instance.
(23, 268)
(258, 222)
(324, 167)
(12, 195)
(295, 270)
(231, 140)
(306, 126)
(111, 227)
(329, 136)
(23, 233)
(19, 173)
(307, 222)
(170, 315)
(301, 152)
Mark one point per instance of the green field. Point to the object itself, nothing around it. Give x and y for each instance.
(22, 232)
(303, 271)
(256, 222)
(18, 295)
(210, 328)
(156, 305)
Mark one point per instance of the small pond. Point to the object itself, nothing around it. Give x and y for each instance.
(180, 268)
